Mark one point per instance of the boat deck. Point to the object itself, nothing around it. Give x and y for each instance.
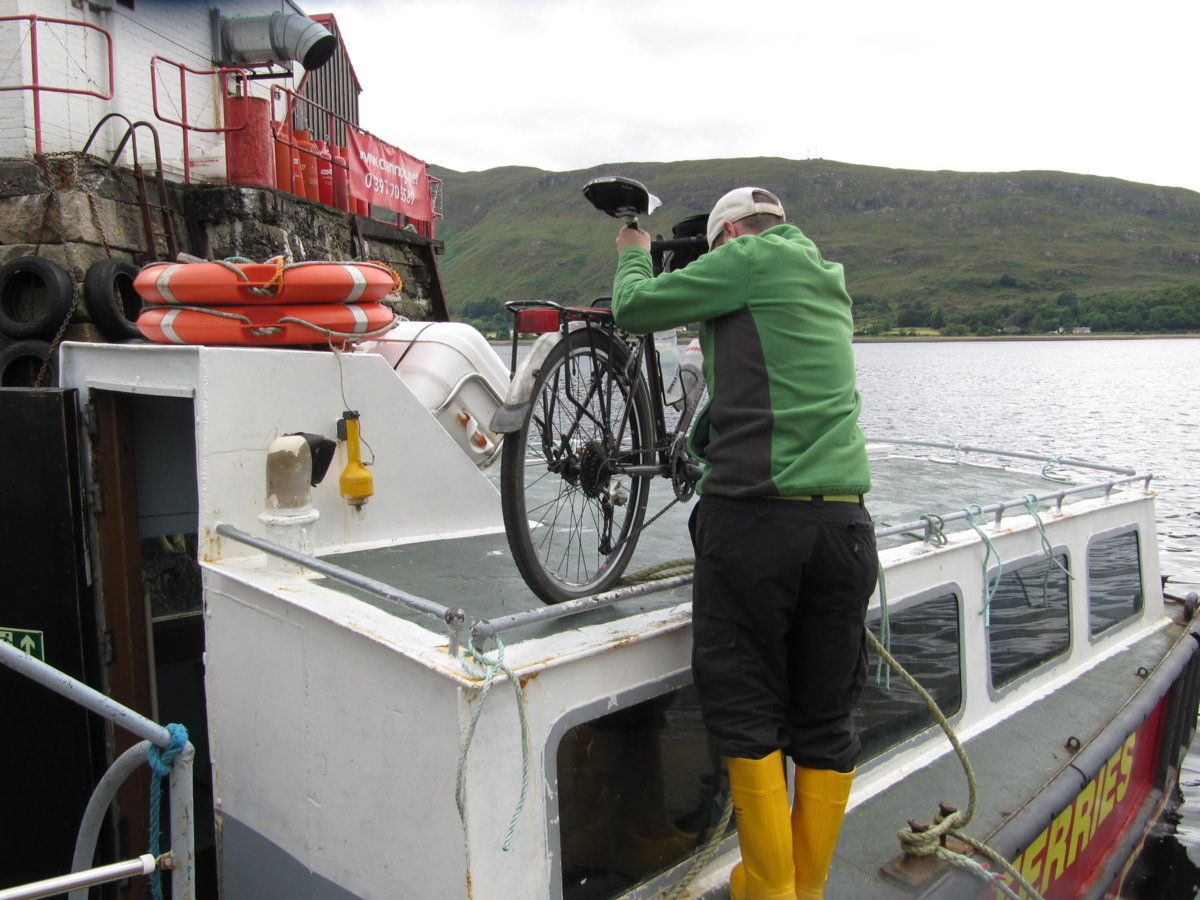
(477, 573)
(1011, 761)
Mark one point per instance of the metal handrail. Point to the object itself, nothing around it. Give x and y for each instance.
(998, 509)
(130, 137)
(181, 858)
(182, 122)
(83, 879)
(284, 135)
(424, 228)
(455, 617)
(372, 586)
(37, 87)
(1015, 454)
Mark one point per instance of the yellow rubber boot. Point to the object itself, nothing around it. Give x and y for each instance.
(760, 799)
(821, 796)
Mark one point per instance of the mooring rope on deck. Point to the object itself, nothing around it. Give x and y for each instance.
(928, 841)
(481, 666)
(701, 859)
(668, 569)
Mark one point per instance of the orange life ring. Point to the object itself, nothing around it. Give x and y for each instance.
(272, 283)
(265, 326)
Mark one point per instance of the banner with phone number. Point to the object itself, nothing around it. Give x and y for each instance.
(387, 176)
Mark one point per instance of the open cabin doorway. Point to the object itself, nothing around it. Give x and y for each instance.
(145, 502)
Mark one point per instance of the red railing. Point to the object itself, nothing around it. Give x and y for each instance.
(37, 87)
(285, 135)
(426, 228)
(182, 122)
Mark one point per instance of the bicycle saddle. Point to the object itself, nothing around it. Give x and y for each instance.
(620, 197)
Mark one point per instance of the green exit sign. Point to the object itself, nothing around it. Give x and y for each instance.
(31, 642)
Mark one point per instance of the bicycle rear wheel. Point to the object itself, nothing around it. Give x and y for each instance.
(571, 516)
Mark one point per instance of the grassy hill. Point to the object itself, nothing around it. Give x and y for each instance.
(964, 243)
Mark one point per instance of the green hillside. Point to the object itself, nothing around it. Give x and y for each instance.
(1035, 250)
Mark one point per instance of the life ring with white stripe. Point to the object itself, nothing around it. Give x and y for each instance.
(266, 326)
(274, 283)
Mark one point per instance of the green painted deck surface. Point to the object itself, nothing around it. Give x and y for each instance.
(478, 574)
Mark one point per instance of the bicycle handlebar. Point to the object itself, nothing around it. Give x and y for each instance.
(684, 243)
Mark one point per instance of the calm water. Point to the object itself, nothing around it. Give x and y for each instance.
(1130, 403)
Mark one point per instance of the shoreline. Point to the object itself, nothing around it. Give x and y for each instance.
(947, 338)
(1114, 336)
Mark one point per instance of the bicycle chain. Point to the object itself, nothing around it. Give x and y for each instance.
(658, 515)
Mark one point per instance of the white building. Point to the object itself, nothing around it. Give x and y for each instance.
(144, 44)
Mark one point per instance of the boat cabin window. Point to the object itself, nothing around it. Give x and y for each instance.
(1029, 619)
(924, 639)
(638, 791)
(1114, 581)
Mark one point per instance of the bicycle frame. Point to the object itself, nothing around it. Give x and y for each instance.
(582, 442)
(600, 318)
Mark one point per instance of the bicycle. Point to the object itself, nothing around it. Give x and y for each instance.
(585, 425)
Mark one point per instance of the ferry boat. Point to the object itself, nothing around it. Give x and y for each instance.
(388, 711)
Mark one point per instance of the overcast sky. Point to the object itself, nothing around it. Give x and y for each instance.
(1094, 87)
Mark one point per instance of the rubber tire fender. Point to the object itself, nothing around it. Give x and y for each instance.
(35, 297)
(111, 299)
(20, 362)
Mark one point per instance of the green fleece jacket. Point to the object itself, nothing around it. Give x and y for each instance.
(782, 418)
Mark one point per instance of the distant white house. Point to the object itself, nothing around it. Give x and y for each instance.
(1082, 329)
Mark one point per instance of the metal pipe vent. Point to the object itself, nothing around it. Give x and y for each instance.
(277, 38)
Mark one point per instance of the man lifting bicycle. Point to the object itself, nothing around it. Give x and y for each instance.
(785, 548)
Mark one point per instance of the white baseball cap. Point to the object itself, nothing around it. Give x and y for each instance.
(738, 204)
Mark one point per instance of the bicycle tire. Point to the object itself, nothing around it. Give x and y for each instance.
(544, 482)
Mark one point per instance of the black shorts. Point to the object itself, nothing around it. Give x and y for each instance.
(779, 641)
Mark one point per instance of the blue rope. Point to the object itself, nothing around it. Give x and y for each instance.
(974, 518)
(161, 762)
(480, 665)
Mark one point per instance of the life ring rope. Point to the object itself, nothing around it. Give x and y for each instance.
(156, 282)
(207, 310)
(350, 335)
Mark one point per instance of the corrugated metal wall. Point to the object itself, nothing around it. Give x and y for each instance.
(334, 87)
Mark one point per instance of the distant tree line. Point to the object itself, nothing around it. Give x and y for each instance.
(1169, 309)
(488, 315)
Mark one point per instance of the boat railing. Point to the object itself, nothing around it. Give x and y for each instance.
(960, 450)
(480, 630)
(454, 618)
(997, 510)
(180, 859)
